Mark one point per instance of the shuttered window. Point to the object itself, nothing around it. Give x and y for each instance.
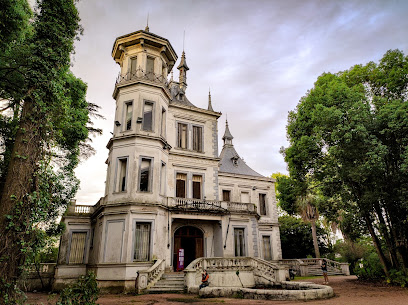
(197, 183)
(197, 138)
(262, 204)
(142, 241)
(267, 251)
(133, 65)
(150, 65)
(77, 250)
(239, 240)
(226, 195)
(181, 180)
(182, 135)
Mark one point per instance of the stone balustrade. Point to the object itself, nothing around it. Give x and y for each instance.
(302, 266)
(147, 278)
(214, 206)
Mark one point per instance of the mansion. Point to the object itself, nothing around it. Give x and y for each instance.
(171, 198)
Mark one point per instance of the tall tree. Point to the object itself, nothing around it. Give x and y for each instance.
(350, 134)
(43, 129)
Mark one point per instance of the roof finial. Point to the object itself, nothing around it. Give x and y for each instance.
(209, 100)
(184, 38)
(227, 138)
(147, 23)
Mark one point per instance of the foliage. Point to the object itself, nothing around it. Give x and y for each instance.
(398, 277)
(352, 251)
(369, 268)
(84, 291)
(296, 238)
(44, 128)
(349, 134)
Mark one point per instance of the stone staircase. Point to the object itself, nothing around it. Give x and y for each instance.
(317, 270)
(169, 282)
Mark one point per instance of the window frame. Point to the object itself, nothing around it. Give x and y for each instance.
(132, 59)
(134, 223)
(201, 185)
(179, 137)
(229, 192)
(201, 139)
(163, 123)
(85, 245)
(270, 247)
(125, 112)
(244, 229)
(117, 188)
(186, 189)
(150, 179)
(264, 209)
(143, 115)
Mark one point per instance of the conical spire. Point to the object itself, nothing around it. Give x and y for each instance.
(209, 101)
(183, 68)
(227, 138)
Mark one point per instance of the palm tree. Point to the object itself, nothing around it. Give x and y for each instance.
(306, 205)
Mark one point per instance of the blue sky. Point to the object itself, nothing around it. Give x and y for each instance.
(258, 57)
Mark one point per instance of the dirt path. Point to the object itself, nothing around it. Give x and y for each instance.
(348, 291)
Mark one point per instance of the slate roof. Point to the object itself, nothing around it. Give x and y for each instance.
(231, 162)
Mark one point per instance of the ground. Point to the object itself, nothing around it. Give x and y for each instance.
(348, 291)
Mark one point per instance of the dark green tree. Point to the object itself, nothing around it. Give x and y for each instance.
(350, 135)
(44, 127)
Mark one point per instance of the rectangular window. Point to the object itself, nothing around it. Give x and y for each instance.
(239, 239)
(133, 66)
(197, 138)
(150, 65)
(181, 182)
(148, 116)
(226, 195)
(182, 135)
(163, 123)
(77, 249)
(262, 204)
(122, 175)
(142, 242)
(197, 184)
(267, 251)
(129, 114)
(163, 179)
(244, 197)
(145, 175)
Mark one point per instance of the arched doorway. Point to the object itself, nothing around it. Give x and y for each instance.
(191, 240)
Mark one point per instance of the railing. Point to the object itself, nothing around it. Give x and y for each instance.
(77, 210)
(196, 205)
(43, 268)
(191, 204)
(301, 266)
(262, 271)
(140, 74)
(149, 277)
(241, 207)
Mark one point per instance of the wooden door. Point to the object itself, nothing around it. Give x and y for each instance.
(199, 251)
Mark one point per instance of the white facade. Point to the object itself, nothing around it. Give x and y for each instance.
(167, 187)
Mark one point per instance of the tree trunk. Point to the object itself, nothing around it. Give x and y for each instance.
(377, 244)
(315, 243)
(15, 207)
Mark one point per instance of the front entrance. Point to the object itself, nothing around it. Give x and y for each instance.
(191, 240)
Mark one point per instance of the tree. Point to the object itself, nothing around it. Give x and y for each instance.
(44, 127)
(296, 238)
(350, 135)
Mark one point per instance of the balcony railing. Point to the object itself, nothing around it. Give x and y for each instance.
(78, 210)
(202, 205)
(141, 75)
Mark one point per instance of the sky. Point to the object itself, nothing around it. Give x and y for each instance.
(258, 57)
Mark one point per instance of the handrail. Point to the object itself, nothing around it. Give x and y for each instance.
(149, 277)
(306, 262)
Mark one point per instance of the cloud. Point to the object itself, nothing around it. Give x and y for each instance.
(258, 57)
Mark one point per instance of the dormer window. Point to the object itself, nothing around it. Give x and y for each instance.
(235, 160)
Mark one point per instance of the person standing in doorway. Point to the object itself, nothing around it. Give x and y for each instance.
(324, 269)
(204, 279)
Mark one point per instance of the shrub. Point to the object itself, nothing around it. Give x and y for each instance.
(84, 292)
(398, 277)
(370, 268)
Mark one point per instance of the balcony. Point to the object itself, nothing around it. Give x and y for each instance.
(141, 75)
(209, 206)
